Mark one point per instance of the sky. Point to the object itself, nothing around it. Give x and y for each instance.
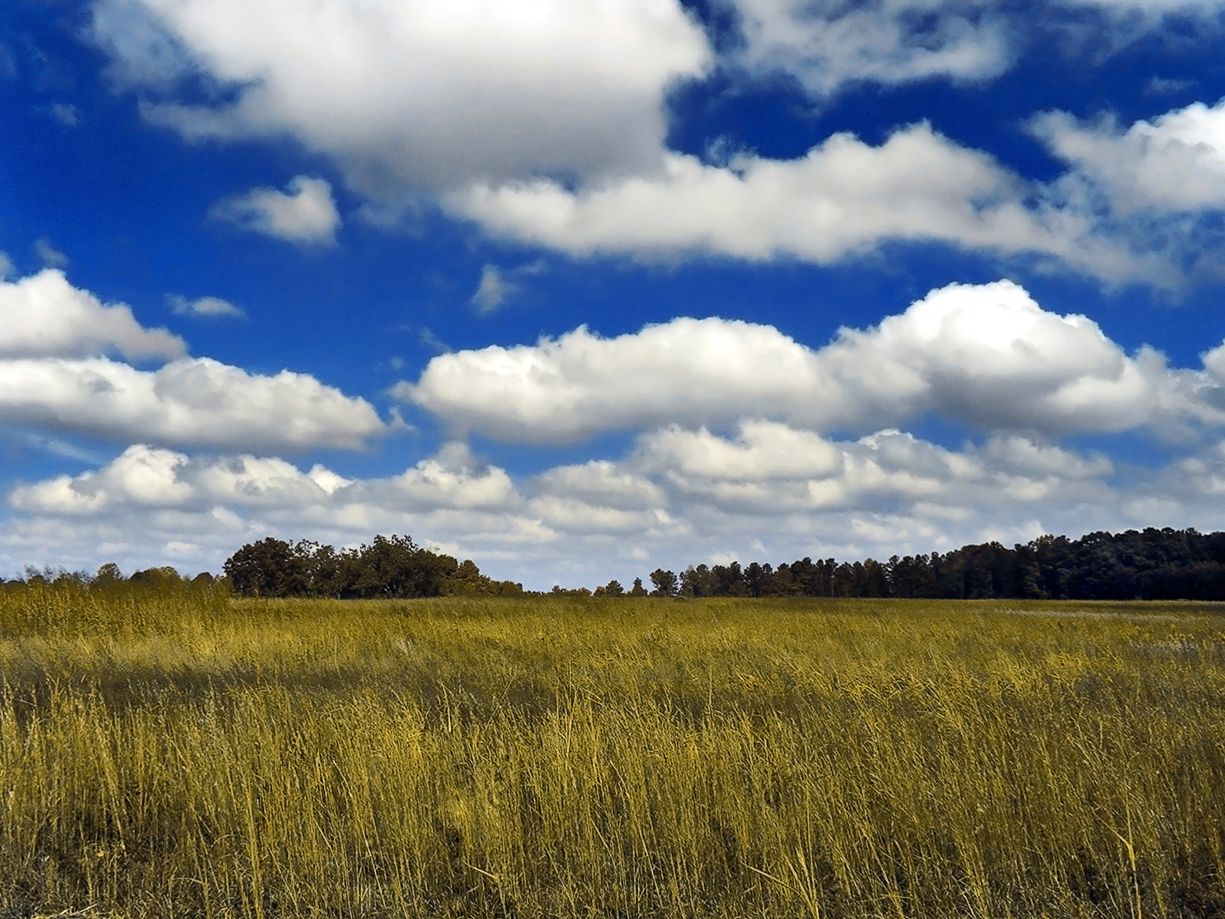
(579, 289)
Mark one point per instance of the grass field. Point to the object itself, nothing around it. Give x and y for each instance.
(178, 753)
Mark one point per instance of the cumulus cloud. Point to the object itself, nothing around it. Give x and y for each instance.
(6, 265)
(454, 478)
(202, 306)
(144, 477)
(156, 506)
(842, 199)
(600, 496)
(601, 483)
(772, 469)
(57, 374)
(488, 109)
(987, 355)
(188, 401)
(304, 213)
(1174, 163)
(579, 384)
(763, 450)
(991, 356)
(416, 94)
(45, 316)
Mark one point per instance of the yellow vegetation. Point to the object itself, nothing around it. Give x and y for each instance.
(173, 752)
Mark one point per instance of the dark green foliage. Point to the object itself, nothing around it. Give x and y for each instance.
(269, 568)
(611, 589)
(1146, 565)
(390, 567)
(107, 575)
(666, 584)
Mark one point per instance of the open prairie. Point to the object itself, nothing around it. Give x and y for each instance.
(178, 753)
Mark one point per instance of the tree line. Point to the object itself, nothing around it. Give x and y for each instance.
(1148, 564)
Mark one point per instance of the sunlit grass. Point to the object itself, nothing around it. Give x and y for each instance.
(182, 754)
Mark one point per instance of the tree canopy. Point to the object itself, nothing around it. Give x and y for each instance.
(1148, 564)
(389, 567)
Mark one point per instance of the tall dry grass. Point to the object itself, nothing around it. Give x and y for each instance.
(180, 754)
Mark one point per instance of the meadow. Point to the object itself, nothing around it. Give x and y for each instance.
(175, 752)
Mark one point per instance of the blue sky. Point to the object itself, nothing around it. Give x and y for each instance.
(580, 289)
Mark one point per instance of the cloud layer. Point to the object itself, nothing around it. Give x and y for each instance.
(546, 123)
(766, 491)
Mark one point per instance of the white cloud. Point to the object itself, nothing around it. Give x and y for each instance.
(1023, 456)
(843, 198)
(415, 94)
(991, 356)
(48, 254)
(575, 516)
(56, 376)
(133, 507)
(45, 316)
(454, 478)
(202, 306)
(826, 45)
(579, 384)
(194, 401)
(772, 469)
(305, 213)
(601, 483)
(1175, 163)
(763, 450)
(545, 122)
(6, 266)
(145, 477)
(986, 355)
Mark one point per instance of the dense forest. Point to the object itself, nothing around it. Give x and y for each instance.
(1151, 564)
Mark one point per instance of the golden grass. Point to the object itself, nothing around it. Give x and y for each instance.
(176, 753)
